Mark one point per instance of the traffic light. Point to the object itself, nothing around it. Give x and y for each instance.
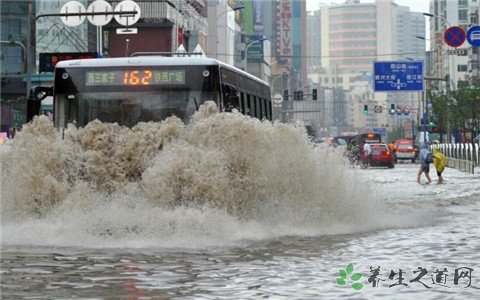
(431, 122)
(297, 95)
(285, 95)
(314, 94)
(365, 109)
(392, 109)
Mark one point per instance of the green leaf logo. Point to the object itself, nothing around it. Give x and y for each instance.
(357, 286)
(342, 280)
(356, 276)
(349, 268)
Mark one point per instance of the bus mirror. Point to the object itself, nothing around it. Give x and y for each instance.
(34, 102)
(41, 92)
(33, 108)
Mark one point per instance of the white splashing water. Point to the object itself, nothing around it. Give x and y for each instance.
(223, 179)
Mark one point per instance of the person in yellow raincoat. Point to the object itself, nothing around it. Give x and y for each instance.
(439, 160)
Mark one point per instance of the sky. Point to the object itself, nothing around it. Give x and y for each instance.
(415, 5)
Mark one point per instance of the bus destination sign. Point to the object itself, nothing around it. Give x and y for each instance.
(134, 77)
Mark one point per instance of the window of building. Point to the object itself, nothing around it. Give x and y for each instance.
(463, 15)
(462, 68)
(462, 2)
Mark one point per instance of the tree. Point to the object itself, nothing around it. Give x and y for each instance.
(452, 110)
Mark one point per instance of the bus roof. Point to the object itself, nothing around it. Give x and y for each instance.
(151, 61)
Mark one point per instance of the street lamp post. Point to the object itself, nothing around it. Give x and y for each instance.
(435, 16)
(273, 81)
(216, 23)
(246, 51)
(425, 96)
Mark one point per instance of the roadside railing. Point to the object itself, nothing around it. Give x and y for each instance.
(462, 156)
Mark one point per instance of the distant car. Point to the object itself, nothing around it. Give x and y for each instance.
(381, 156)
(404, 149)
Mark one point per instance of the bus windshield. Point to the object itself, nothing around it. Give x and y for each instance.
(129, 108)
(128, 96)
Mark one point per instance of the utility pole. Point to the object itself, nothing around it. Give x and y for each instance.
(30, 51)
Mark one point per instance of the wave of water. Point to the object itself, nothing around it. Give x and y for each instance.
(222, 179)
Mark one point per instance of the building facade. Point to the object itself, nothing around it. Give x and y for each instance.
(446, 14)
(17, 50)
(353, 36)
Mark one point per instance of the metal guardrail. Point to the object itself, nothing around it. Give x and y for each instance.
(462, 156)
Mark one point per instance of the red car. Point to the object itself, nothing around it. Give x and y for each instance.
(405, 150)
(381, 156)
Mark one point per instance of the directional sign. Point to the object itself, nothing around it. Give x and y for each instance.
(473, 36)
(454, 36)
(398, 76)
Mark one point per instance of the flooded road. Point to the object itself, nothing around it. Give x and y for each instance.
(328, 231)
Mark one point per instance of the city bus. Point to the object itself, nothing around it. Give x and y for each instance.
(369, 137)
(130, 90)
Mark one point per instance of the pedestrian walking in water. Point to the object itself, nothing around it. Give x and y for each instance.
(439, 160)
(367, 150)
(425, 159)
(11, 132)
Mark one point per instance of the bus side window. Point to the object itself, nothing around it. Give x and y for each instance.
(242, 103)
(264, 109)
(253, 106)
(261, 108)
(230, 98)
(248, 111)
(269, 110)
(258, 107)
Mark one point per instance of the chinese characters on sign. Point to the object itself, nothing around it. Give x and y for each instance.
(283, 29)
(391, 76)
(135, 77)
(441, 277)
(461, 277)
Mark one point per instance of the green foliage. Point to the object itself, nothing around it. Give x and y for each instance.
(452, 109)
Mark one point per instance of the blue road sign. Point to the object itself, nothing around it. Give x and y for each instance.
(473, 36)
(398, 76)
(454, 36)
